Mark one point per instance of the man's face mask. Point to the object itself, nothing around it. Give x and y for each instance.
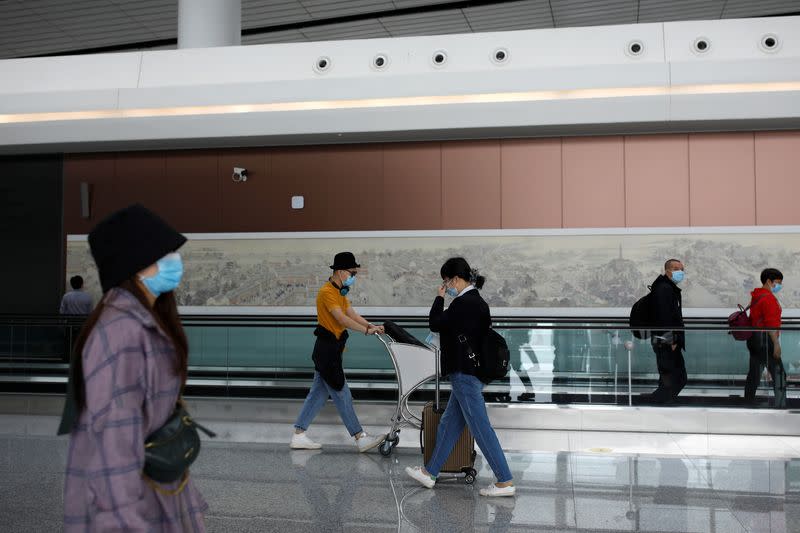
(349, 281)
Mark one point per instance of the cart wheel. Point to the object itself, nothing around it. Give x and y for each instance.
(386, 448)
(469, 475)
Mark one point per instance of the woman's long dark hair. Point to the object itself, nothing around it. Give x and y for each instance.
(164, 312)
(458, 267)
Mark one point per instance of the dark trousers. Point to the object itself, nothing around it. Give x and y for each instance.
(672, 376)
(761, 350)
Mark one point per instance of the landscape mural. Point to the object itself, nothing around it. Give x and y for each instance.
(563, 271)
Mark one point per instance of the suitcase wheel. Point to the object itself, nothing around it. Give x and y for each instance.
(469, 475)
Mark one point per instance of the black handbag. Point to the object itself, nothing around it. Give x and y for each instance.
(172, 448)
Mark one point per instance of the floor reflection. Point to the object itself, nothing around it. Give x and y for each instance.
(259, 487)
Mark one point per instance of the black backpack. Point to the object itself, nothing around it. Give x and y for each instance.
(642, 315)
(493, 360)
(496, 356)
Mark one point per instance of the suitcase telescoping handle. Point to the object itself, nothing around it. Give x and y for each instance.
(421, 431)
(437, 378)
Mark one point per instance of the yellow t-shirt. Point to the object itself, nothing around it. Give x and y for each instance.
(329, 299)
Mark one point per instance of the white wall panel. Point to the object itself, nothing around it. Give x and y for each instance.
(731, 40)
(557, 82)
(56, 74)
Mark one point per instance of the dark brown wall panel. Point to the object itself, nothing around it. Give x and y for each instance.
(98, 171)
(139, 177)
(412, 186)
(342, 188)
(245, 205)
(191, 179)
(471, 185)
(302, 172)
(355, 187)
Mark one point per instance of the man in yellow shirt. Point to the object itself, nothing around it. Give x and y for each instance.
(335, 316)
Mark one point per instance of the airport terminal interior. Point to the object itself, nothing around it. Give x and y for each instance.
(623, 174)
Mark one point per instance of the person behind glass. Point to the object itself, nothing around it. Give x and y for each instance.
(126, 375)
(76, 301)
(335, 316)
(668, 344)
(468, 316)
(764, 346)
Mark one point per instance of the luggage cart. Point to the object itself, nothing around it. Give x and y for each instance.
(415, 363)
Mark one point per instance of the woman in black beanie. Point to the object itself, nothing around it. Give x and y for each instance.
(127, 372)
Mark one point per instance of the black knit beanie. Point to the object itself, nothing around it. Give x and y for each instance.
(129, 241)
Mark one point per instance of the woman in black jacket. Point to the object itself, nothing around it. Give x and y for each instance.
(465, 323)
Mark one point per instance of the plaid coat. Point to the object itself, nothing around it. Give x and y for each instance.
(131, 389)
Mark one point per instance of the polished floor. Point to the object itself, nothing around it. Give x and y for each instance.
(266, 487)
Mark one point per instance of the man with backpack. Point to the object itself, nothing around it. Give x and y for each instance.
(666, 312)
(764, 345)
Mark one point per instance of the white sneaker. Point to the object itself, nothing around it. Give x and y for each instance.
(366, 442)
(300, 441)
(426, 480)
(494, 490)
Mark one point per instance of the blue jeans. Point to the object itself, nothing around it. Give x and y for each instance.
(318, 395)
(466, 406)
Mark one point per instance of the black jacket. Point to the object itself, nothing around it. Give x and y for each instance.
(667, 309)
(467, 315)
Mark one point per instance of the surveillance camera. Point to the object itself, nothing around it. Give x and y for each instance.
(239, 174)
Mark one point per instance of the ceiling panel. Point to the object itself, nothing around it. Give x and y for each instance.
(452, 21)
(527, 14)
(759, 8)
(259, 13)
(338, 8)
(31, 27)
(289, 36)
(593, 12)
(156, 15)
(405, 4)
(365, 29)
(660, 11)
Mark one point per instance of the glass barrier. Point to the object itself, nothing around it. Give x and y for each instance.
(564, 361)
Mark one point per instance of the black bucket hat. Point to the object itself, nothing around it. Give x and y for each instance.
(344, 260)
(129, 241)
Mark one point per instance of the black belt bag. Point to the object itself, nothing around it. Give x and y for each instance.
(172, 448)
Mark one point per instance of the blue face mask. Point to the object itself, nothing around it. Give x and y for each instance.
(451, 291)
(777, 288)
(170, 272)
(678, 275)
(349, 281)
